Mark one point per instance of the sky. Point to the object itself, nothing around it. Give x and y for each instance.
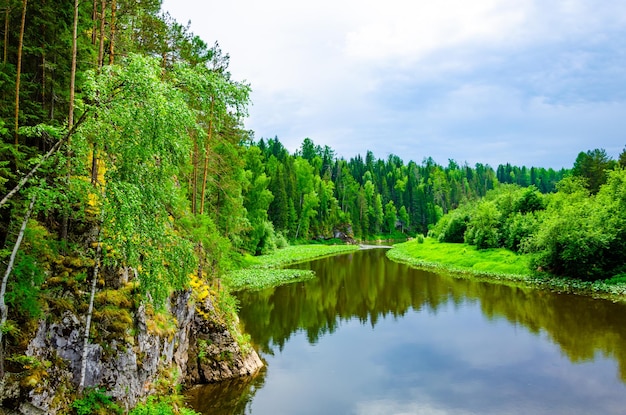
(526, 82)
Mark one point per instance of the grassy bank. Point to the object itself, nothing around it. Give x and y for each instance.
(267, 270)
(495, 265)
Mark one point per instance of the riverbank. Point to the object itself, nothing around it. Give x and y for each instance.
(495, 265)
(266, 271)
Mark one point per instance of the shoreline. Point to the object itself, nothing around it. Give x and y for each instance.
(543, 281)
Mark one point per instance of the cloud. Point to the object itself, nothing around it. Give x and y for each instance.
(411, 30)
(489, 81)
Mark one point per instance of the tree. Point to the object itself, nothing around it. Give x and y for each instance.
(622, 159)
(7, 16)
(403, 216)
(70, 121)
(483, 226)
(112, 32)
(257, 199)
(593, 166)
(20, 47)
(145, 152)
(376, 215)
(390, 217)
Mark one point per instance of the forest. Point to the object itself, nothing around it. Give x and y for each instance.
(124, 147)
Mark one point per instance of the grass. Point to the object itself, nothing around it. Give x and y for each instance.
(497, 265)
(266, 270)
(461, 257)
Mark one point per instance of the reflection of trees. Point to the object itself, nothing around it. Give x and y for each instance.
(366, 285)
(230, 397)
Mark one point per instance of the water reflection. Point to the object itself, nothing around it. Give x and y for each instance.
(368, 286)
(370, 336)
(225, 398)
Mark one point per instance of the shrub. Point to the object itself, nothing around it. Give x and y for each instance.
(96, 401)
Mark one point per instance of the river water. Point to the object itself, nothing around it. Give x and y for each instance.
(373, 337)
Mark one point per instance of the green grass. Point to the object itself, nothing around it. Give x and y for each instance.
(265, 271)
(461, 257)
(497, 265)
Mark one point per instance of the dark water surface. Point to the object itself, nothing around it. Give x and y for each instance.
(373, 337)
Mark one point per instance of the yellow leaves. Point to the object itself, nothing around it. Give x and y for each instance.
(93, 202)
(200, 288)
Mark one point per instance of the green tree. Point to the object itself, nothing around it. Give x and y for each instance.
(403, 216)
(140, 129)
(622, 159)
(391, 216)
(593, 166)
(483, 227)
(257, 199)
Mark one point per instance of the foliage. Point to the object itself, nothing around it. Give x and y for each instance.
(583, 236)
(95, 401)
(315, 196)
(452, 227)
(161, 406)
(593, 166)
(482, 229)
(145, 152)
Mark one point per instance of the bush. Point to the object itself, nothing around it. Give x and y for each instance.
(96, 401)
(517, 229)
(163, 406)
(483, 227)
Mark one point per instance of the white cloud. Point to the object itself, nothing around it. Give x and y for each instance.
(410, 30)
(383, 76)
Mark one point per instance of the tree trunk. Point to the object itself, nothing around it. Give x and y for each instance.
(94, 19)
(96, 269)
(206, 157)
(19, 70)
(70, 121)
(7, 15)
(194, 177)
(94, 165)
(3, 288)
(112, 31)
(102, 21)
(52, 73)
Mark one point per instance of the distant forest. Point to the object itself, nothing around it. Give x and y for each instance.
(314, 193)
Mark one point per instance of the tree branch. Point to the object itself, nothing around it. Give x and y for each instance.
(50, 152)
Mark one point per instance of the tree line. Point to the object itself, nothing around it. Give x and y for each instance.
(313, 194)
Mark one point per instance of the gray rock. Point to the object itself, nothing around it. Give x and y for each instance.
(129, 368)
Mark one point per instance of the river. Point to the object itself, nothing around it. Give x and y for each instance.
(373, 337)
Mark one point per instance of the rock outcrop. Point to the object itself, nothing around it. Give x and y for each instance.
(197, 350)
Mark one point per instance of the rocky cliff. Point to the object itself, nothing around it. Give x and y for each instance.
(195, 348)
